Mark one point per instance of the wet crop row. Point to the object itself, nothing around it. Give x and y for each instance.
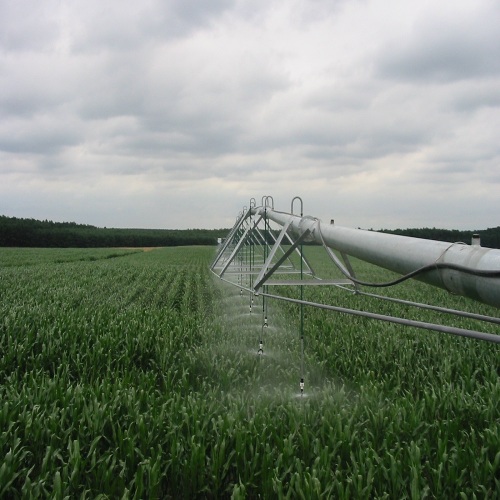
(432, 400)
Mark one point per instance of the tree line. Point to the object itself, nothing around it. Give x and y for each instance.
(490, 237)
(16, 232)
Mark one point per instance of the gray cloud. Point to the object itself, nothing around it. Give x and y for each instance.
(40, 135)
(471, 96)
(201, 105)
(112, 26)
(464, 45)
(26, 25)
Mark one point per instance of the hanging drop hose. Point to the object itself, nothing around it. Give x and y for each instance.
(301, 385)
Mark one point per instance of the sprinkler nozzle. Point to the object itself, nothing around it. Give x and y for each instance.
(301, 386)
(265, 322)
(261, 348)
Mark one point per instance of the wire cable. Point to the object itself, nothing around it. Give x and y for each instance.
(424, 269)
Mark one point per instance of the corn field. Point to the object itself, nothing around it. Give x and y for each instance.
(130, 374)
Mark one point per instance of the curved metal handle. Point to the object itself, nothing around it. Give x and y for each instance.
(265, 201)
(301, 205)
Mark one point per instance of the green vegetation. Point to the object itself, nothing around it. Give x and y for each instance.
(490, 237)
(16, 232)
(136, 376)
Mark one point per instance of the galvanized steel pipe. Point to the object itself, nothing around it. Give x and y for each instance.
(404, 255)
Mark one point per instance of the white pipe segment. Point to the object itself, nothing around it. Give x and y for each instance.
(404, 255)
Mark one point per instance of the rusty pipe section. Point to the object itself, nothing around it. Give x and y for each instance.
(403, 255)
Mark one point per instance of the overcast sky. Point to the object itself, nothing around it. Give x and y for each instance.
(174, 113)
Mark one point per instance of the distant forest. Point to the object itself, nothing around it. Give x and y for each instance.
(490, 237)
(16, 232)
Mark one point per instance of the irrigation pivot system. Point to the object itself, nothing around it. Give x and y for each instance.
(255, 250)
(265, 249)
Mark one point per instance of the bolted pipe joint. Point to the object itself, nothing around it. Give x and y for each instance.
(308, 223)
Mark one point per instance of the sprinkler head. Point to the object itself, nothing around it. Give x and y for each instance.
(301, 386)
(261, 348)
(265, 322)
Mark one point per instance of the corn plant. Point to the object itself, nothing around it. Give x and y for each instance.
(136, 375)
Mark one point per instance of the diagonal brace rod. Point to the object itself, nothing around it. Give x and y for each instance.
(230, 238)
(238, 245)
(271, 255)
(258, 284)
